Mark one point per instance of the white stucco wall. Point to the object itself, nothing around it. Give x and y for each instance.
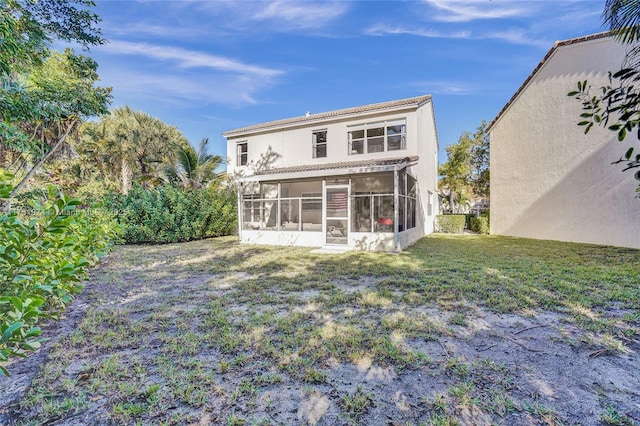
(426, 171)
(548, 179)
(293, 146)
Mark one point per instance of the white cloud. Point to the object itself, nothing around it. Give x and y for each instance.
(300, 15)
(382, 29)
(515, 36)
(135, 86)
(445, 87)
(278, 16)
(470, 10)
(156, 31)
(184, 58)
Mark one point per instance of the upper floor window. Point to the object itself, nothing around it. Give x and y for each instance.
(241, 153)
(378, 137)
(319, 143)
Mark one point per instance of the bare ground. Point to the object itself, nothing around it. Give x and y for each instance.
(472, 366)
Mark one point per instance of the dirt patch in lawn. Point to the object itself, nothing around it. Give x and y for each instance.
(214, 333)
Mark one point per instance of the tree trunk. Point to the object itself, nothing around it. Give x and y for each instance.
(127, 175)
(44, 159)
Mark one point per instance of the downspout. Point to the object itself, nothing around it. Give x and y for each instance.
(240, 212)
(396, 234)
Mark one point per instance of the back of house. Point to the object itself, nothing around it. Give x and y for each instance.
(362, 177)
(550, 180)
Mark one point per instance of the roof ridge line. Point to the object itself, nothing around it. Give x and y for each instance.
(343, 112)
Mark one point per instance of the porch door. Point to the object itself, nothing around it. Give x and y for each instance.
(337, 214)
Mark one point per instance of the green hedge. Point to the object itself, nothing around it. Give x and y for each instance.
(479, 224)
(450, 223)
(46, 246)
(168, 214)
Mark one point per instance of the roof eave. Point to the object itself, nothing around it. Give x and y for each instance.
(319, 173)
(322, 118)
(333, 171)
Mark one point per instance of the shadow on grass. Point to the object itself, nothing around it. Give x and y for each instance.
(222, 332)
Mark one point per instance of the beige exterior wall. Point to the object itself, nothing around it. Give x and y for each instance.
(426, 171)
(292, 146)
(548, 179)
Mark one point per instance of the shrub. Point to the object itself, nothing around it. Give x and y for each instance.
(450, 223)
(467, 220)
(168, 214)
(479, 224)
(44, 255)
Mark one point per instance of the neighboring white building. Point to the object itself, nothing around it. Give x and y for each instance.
(548, 179)
(362, 177)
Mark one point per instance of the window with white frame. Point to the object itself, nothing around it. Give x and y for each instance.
(377, 137)
(242, 151)
(319, 143)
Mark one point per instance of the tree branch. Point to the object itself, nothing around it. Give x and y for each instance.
(44, 159)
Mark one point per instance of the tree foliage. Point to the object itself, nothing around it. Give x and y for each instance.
(616, 106)
(465, 175)
(622, 17)
(45, 107)
(28, 27)
(44, 94)
(193, 167)
(130, 146)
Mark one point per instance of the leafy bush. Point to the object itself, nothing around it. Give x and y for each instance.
(44, 255)
(479, 224)
(168, 214)
(467, 220)
(450, 223)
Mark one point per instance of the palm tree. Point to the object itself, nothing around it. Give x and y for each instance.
(194, 168)
(623, 19)
(136, 142)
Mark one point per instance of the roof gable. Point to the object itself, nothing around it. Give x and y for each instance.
(542, 63)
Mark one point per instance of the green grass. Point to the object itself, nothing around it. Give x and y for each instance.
(214, 326)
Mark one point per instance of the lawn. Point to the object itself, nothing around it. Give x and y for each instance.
(455, 330)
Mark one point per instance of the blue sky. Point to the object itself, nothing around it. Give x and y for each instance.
(212, 66)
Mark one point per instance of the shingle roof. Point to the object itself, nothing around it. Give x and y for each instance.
(324, 116)
(544, 60)
(340, 165)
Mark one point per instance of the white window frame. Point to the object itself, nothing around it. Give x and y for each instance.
(240, 154)
(315, 143)
(380, 124)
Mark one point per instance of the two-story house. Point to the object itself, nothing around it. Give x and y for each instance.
(362, 177)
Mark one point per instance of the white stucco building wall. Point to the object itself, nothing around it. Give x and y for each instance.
(285, 149)
(548, 179)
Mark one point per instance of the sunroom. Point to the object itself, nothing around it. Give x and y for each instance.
(368, 205)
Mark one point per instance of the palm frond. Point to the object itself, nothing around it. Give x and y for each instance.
(623, 19)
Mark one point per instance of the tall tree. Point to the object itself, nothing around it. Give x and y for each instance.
(47, 107)
(616, 106)
(454, 174)
(133, 143)
(465, 175)
(44, 95)
(480, 174)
